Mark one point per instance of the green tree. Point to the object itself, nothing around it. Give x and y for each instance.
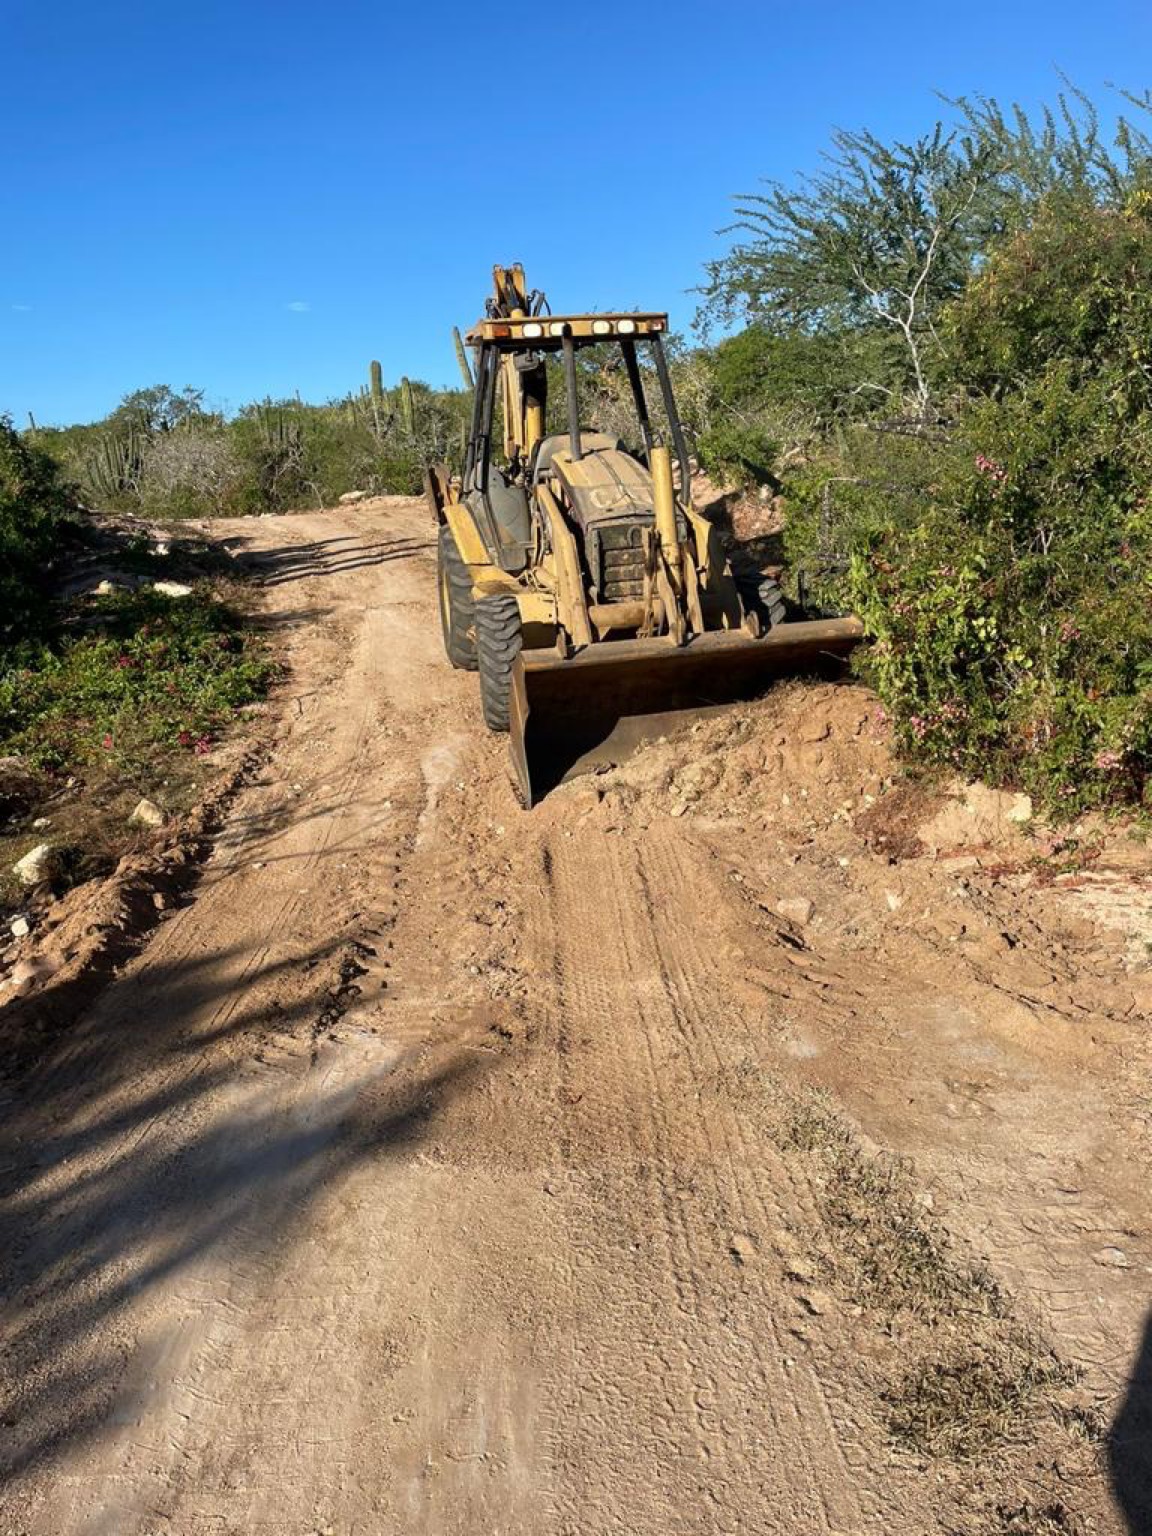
(34, 503)
(875, 244)
(159, 408)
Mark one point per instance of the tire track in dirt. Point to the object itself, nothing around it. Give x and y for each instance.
(662, 1160)
(767, 1197)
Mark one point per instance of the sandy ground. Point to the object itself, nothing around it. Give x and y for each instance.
(431, 1172)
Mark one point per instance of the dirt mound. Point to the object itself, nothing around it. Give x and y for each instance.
(808, 757)
(78, 940)
(803, 753)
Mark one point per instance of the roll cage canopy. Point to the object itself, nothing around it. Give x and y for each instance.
(496, 337)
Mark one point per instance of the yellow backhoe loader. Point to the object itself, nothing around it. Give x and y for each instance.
(574, 573)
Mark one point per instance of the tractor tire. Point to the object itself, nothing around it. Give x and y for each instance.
(765, 596)
(498, 642)
(457, 605)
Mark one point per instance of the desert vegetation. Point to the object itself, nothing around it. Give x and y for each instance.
(165, 453)
(115, 678)
(944, 369)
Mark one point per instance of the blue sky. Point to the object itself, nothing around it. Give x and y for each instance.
(257, 198)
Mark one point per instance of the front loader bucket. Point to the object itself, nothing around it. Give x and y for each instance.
(569, 715)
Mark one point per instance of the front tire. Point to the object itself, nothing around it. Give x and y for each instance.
(498, 641)
(765, 596)
(457, 605)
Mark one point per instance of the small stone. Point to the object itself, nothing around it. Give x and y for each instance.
(894, 899)
(159, 900)
(1112, 1258)
(741, 1250)
(41, 822)
(42, 863)
(106, 588)
(797, 909)
(25, 976)
(147, 814)
(816, 1301)
(172, 589)
(19, 927)
(801, 1269)
(350, 498)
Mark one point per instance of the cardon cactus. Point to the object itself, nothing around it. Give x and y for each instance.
(113, 466)
(376, 381)
(462, 359)
(407, 406)
(279, 433)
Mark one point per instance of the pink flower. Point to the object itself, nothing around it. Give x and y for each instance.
(107, 743)
(203, 746)
(1109, 761)
(989, 467)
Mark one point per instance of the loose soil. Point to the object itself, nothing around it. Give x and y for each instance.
(745, 1140)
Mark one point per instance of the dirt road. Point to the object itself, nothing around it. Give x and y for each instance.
(441, 1168)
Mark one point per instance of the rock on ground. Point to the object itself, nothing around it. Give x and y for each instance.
(148, 814)
(42, 863)
(797, 909)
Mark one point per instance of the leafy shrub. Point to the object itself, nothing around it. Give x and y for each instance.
(34, 505)
(1006, 574)
(155, 673)
(740, 453)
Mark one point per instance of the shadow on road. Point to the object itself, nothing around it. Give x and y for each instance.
(1130, 1443)
(165, 1133)
(323, 557)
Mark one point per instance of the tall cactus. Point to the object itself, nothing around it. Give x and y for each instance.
(407, 406)
(462, 359)
(376, 396)
(112, 467)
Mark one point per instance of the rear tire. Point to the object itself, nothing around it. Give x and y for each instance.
(457, 605)
(765, 596)
(498, 641)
